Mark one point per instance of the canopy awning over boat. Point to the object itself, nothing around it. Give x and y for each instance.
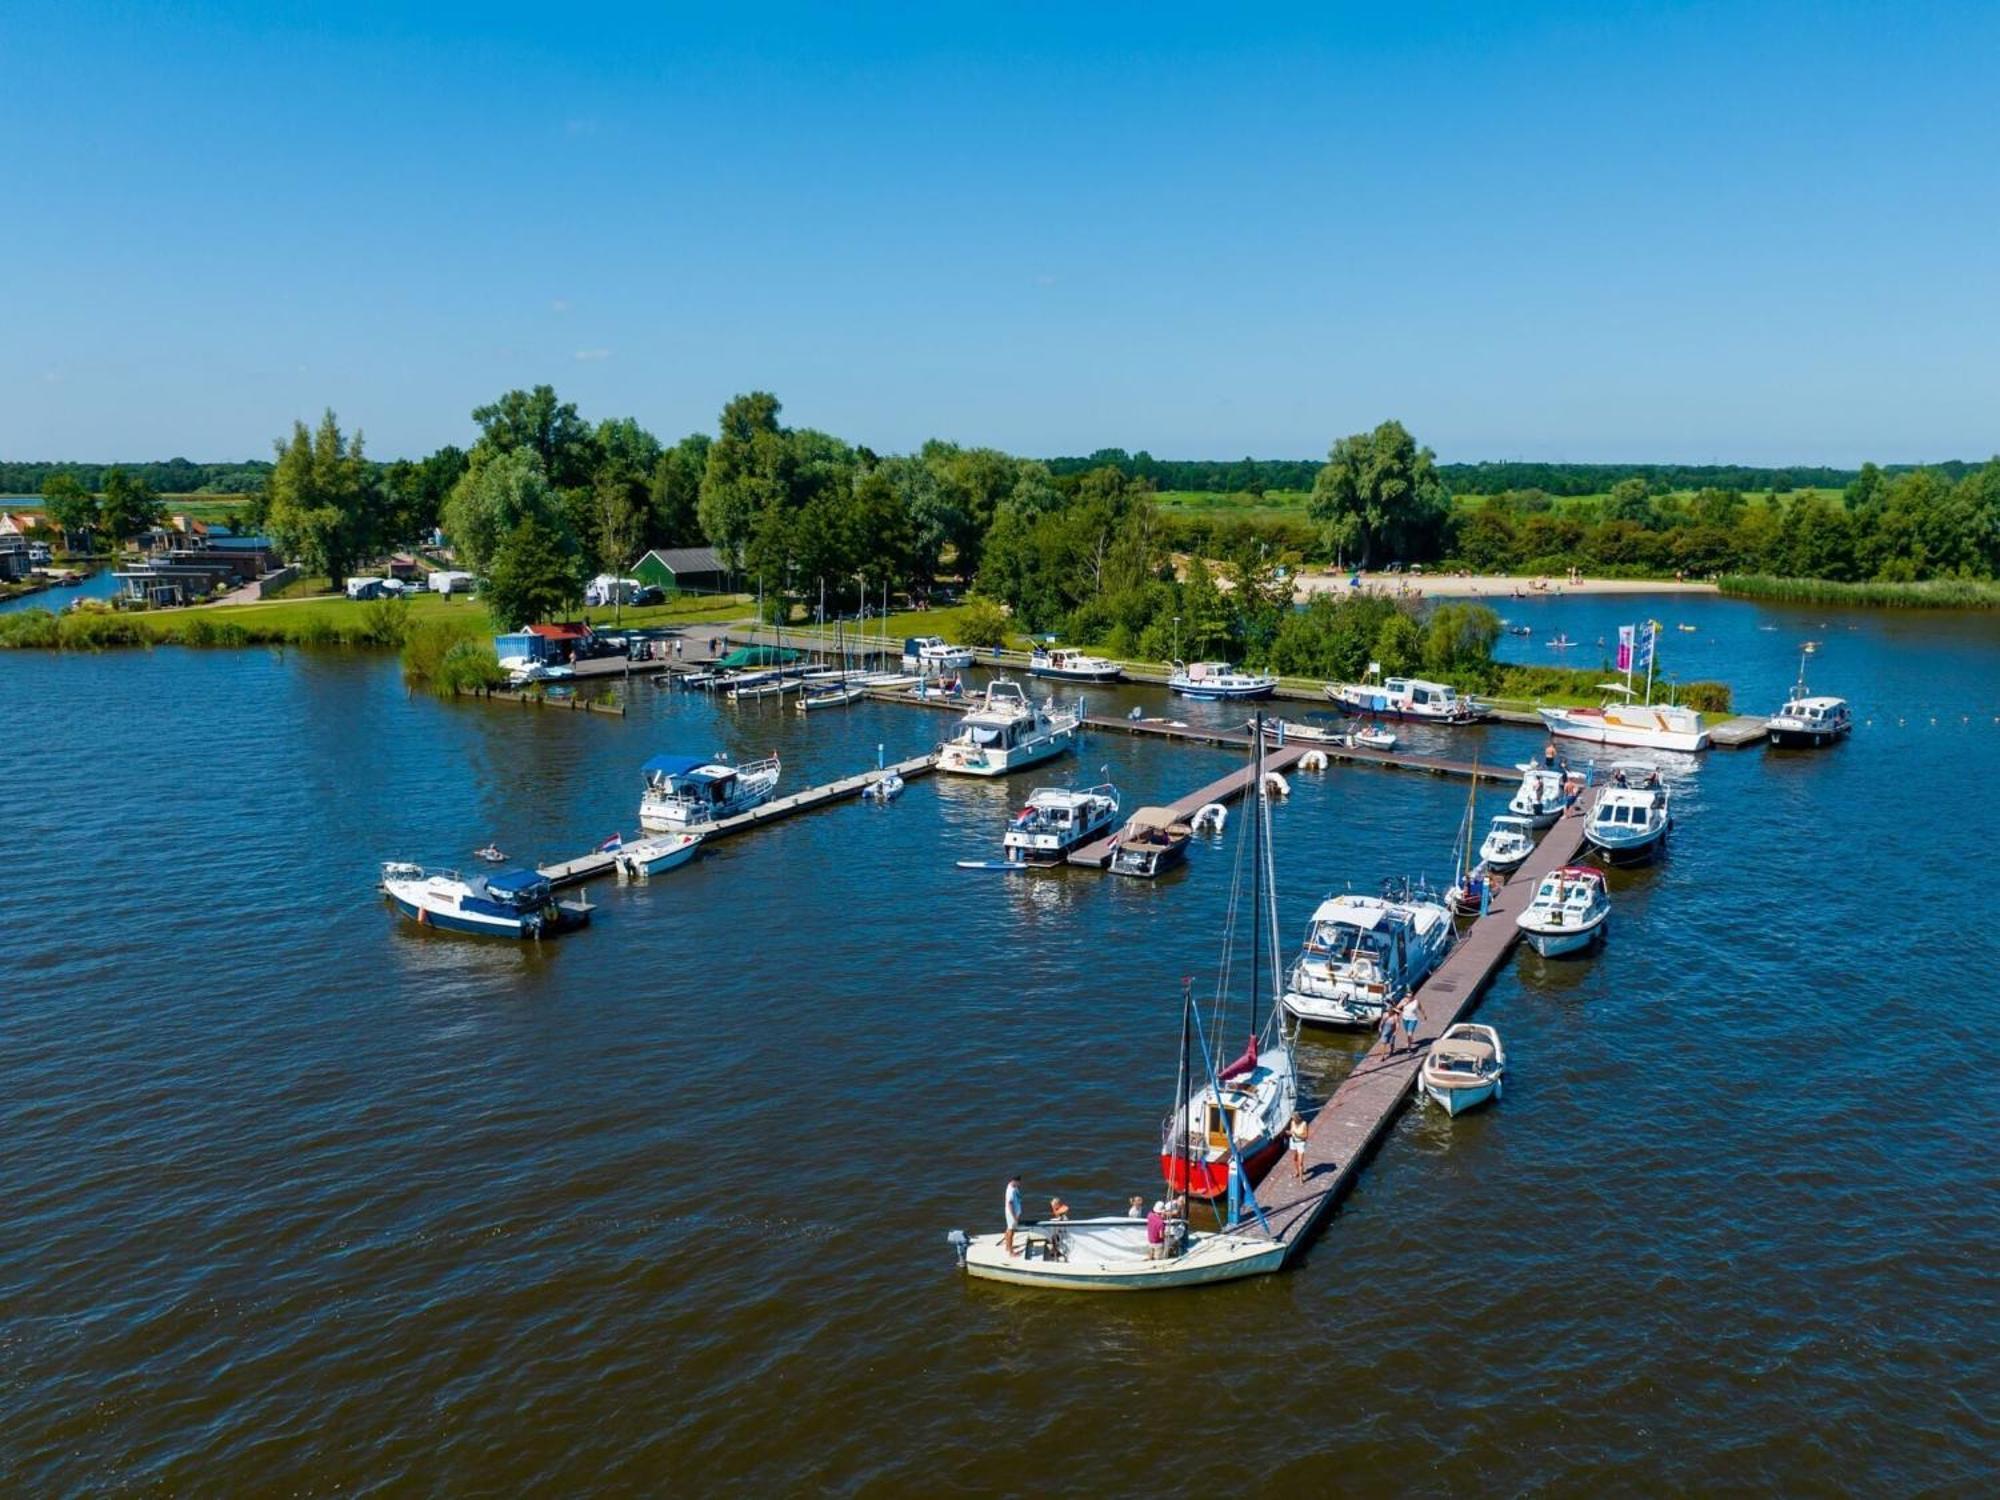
(760, 656)
(514, 884)
(1156, 817)
(672, 765)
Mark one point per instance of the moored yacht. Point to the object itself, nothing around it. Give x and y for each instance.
(1007, 732)
(1406, 698)
(507, 903)
(932, 653)
(1363, 954)
(1064, 665)
(1569, 910)
(1807, 722)
(1218, 679)
(1629, 824)
(685, 791)
(1154, 841)
(1465, 1067)
(1544, 795)
(1508, 842)
(1056, 820)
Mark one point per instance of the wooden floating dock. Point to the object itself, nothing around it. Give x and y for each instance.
(594, 865)
(1097, 854)
(1348, 1126)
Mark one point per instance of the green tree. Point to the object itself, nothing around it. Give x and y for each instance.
(674, 493)
(1379, 490)
(536, 575)
(1208, 623)
(749, 469)
(1458, 641)
(551, 428)
(70, 506)
(413, 494)
(1398, 645)
(321, 496)
(498, 493)
(128, 505)
(1631, 499)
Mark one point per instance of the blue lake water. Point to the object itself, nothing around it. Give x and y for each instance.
(300, 1198)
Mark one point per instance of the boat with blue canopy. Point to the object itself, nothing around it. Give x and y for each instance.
(684, 791)
(507, 903)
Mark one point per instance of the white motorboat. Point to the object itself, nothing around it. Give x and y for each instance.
(1508, 842)
(1807, 722)
(1065, 665)
(1544, 795)
(886, 681)
(831, 694)
(684, 791)
(1374, 737)
(1218, 679)
(642, 859)
(932, 653)
(1056, 820)
(1464, 1068)
(1300, 732)
(1117, 1255)
(1407, 698)
(1363, 954)
(1007, 732)
(1569, 910)
(1620, 721)
(518, 904)
(1629, 823)
(884, 788)
(939, 689)
(1155, 839)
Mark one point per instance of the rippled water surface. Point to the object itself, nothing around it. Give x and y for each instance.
(300, 1199)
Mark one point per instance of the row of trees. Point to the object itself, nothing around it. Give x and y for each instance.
(124, 505)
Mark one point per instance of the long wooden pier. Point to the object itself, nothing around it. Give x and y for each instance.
(594, 865)
(1097, 854)
(1348, 1126)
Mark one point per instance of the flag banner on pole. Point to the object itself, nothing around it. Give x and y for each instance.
(1648, 638)
(1625, 648)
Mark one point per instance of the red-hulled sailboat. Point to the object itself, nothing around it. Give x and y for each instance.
(1235, 1117)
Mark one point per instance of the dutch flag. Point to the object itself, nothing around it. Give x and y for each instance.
(612, 844)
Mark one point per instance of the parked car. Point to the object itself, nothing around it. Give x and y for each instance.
(649, 593)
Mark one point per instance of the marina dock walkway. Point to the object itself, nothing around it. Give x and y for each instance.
(1350, 1124)
(1097, 854)
(594, 865)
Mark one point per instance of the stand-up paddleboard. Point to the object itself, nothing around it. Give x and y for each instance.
(1002, 865)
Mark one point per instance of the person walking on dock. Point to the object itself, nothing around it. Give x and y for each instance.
(1385, 1029)
(1412, 1013)
(1011, 1205)
(1297, 1132)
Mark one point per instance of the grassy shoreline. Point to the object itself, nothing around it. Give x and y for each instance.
(1936, 593)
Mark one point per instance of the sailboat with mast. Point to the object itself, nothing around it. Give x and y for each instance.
(1622, 721)
(1228, 1129)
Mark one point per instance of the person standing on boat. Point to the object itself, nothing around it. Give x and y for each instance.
(1011, 1204)
(1412, 1013)
(1156, 1231)
(1296, 1134)
(1135, 1207)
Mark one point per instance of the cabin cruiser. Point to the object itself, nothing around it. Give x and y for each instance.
(507, 903)
(1057, 820)
(1407, 698)
(1544, 795)
(1507, 843)
(1464, 1068)
(1629, 824)
(683, 791)
(1073, 666)
(1243, 1114)
(642, 859)
(1217, 679)
(1363, 954)
(1808, 723)
(1569, 910)
(1154, 841)
(1620, 721)
(1007, 732)
(931, 653)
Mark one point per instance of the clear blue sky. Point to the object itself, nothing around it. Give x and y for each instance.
(1595, 231)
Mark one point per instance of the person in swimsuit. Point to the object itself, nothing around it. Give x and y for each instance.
(1298, 1131)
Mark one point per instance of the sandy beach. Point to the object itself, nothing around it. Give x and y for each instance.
(1490, 586)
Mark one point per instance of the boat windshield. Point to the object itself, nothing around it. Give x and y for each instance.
(1341, 942)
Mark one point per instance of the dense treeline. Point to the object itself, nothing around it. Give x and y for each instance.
(1245, 476)
(173, 476)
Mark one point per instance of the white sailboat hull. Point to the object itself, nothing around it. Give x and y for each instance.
(1209, 1258)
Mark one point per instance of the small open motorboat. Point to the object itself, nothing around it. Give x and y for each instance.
(642, 859)
(1154, 841)
(1509, 841)
(1304, 732)
(1464, 1068)
(884, 788)
(491, 854)
(1570, 909)
(1375, 737)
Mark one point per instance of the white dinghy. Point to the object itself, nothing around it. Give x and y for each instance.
(1464, 1068)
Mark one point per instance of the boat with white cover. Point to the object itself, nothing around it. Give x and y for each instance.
(1154, 840)
(1065, 665)
(642, 859)
(932, 653)
(1363, 954)
(1056, 820)
(1464, 1068)
(684, 791)
(1629, 824)
(1807, 722)
(518, 904)
(1407, 698)
(1569, 910)
(1007, 732)
(1212, 680)
(1508, 842)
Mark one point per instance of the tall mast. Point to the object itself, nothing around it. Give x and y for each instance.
(1183, 1104)
(1256, 864)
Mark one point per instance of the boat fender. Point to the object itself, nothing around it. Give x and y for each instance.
(1275, 785)
(1313, 760)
